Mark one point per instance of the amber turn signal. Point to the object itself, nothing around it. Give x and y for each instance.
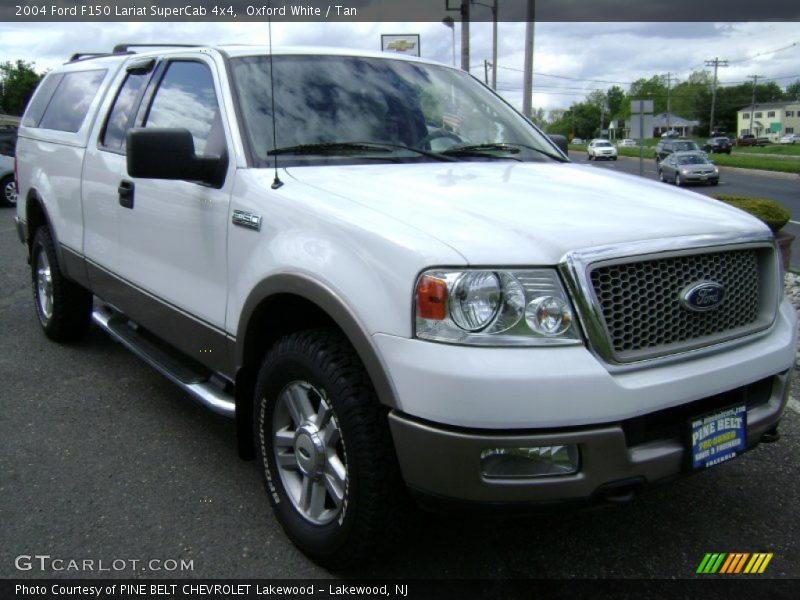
(431, 298)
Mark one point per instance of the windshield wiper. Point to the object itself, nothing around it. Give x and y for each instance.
(483, 150)
(491, 150)
(352, 148)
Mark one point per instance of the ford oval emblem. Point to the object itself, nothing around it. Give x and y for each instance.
(703, 296)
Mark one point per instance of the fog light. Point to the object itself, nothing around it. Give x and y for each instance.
(538, 461)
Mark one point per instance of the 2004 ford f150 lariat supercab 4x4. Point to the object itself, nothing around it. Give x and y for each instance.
(393, 281)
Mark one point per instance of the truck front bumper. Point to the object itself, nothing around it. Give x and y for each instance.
(616, 459)
(454, 402)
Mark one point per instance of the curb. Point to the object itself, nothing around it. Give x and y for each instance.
(761, 173)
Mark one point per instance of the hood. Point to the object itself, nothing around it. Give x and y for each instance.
(513, 213)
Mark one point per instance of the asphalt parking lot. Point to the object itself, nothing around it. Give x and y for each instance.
(104, 459)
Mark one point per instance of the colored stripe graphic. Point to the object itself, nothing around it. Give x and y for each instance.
(734, 563)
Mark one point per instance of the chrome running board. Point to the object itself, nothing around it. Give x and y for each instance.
(201, 386)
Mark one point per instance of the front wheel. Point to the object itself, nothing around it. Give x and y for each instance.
(324, 448)
(678, 181)
(64, 308)
(8, 191)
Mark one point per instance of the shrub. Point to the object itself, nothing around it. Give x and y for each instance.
(770, 212)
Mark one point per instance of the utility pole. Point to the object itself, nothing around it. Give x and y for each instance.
(716, 63)
(493, 64)
(572, 110)
(494, 45)
(753, 101)
(602, 111)
(669, 105)
(465, 35)
(527, 83)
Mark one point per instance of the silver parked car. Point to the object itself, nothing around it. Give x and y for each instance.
(688, 167)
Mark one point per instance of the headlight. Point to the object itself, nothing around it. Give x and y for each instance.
(494, 308)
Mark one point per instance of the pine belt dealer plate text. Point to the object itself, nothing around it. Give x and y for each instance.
(718, 437)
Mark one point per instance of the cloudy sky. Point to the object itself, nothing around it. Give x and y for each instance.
(583, 56)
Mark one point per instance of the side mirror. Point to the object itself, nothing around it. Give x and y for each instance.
(155, 153)
(561, 142)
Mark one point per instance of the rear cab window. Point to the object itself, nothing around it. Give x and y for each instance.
(63, 107)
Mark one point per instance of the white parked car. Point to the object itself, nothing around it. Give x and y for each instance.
(577, 140)
(790, 138)
(598, 149)
(626, 143)
(487, 323)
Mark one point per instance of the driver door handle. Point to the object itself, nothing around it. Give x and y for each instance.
(125, 191)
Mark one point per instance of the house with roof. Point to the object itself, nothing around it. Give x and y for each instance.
(769, 119)
(660, 123)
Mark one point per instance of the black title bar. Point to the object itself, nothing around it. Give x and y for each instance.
(397, 10)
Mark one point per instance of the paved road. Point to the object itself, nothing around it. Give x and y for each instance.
(102, 458)
(784, 191)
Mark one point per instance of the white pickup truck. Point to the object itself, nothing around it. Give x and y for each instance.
(393, 281)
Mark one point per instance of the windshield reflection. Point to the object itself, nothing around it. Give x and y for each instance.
(343, 99)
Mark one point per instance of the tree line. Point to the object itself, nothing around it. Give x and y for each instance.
(18, 80)
(690, 99)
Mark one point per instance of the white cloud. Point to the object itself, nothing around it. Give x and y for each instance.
(620, 52)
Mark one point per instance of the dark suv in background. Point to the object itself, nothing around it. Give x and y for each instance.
(8, 188)
(666, 147)
(718, 145)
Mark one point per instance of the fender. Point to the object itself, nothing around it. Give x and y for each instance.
(336, 308)
(72, 264)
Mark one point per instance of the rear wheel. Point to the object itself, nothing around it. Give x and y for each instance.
(324, 448)
(8, 191)
(64, 308)
(661, 176)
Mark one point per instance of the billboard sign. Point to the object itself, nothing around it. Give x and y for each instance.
(405, 43)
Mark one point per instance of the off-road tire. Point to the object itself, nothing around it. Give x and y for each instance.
(71, 304)
(374, 491)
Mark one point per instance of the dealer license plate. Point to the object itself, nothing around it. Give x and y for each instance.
(718, 437)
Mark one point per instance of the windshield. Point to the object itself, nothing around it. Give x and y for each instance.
(340, 108)
(692, 160)
(679, 146)
(602, 144)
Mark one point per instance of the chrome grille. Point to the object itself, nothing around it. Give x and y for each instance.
(642, 312)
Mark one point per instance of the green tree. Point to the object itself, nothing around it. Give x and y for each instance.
(17, 83)
(615, 98)
(793, 91)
